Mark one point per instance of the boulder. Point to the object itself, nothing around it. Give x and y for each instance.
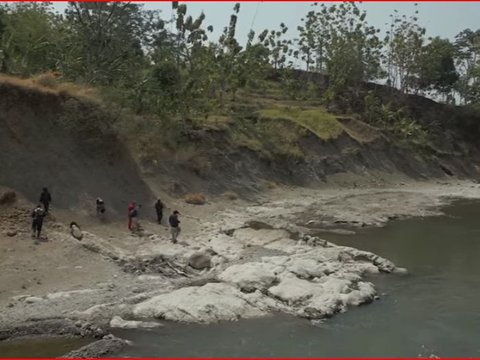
(209, 303)
(250, 276)
(76, 231)
(33, 300)
(118, 322)
(200, 260)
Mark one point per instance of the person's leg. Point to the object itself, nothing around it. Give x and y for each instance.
(159, 217)
(174, 234)
(129, 223)
(39, 229)
(34, 228)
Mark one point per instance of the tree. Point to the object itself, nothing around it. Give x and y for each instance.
(29, 38)
(350, 48)
(404, 43)
(104, 42)
(436, 67)
(467, 56)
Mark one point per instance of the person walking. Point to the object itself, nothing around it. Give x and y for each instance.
(37, 220)
(159, 209)
(132, 215)
(174, 225)
(45, 199)
(100, 206)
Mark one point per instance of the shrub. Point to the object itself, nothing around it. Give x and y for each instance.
(195, 199)
(8, 197)
(230, 195)
(48, 80)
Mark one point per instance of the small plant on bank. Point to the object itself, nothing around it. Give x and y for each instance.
(195, 199)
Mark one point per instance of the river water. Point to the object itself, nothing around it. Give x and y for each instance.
(435, 310)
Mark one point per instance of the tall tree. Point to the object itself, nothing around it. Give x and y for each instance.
(104, 43)
(404, 43)
(29, 38)
(437, 67)
(467, 45)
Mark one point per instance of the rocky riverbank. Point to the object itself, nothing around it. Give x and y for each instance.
(242, 261)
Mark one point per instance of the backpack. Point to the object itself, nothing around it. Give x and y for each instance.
(38, 214)
(133, 213)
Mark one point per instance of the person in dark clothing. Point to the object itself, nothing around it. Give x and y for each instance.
(45, 199)
(37, 221)
(159, 209)
(100, 206)
(174, 225)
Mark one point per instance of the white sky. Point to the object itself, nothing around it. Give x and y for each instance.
(444, 19)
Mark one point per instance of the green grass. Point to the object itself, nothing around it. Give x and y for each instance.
(317, 120)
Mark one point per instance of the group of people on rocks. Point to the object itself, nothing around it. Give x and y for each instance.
(41, 210)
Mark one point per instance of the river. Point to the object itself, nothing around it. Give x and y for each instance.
(435, 310)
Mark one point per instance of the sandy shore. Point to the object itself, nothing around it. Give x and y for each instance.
(249, 260)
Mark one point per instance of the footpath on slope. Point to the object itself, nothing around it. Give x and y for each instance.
(234, 260)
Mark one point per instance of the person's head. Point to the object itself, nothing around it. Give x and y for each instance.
(175, 212)
(44, 189)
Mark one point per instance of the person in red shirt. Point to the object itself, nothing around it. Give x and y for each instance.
(131, 208)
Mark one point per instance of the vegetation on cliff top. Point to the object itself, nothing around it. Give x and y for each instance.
(169, 76)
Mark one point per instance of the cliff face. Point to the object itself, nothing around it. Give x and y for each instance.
(68, 144)
(38, 148)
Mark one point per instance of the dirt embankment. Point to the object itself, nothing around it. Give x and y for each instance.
(67, 145)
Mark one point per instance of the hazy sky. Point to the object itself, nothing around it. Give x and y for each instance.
(442, 19)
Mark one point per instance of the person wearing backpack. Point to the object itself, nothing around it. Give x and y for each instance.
(132, 215)
(100, 206)
(37, 221)
(45, 199)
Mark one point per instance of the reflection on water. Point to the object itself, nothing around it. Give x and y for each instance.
(433, 310)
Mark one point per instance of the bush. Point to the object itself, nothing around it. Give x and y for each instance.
(394, 121)
(8, 197)
(195, 199)
(48, 80)
(230, 195)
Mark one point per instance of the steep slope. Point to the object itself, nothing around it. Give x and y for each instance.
(77, 162)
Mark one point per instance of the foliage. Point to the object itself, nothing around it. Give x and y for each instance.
(467, 56)
(394, 121)
(317, 120)
(169, 70)
(436, 66)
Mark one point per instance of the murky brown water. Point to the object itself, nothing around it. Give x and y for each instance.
(40, 347)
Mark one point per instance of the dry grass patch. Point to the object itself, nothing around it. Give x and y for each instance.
(230, 195)
(317, 120)
(8, 197)
(51, 83)
(195, 199)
